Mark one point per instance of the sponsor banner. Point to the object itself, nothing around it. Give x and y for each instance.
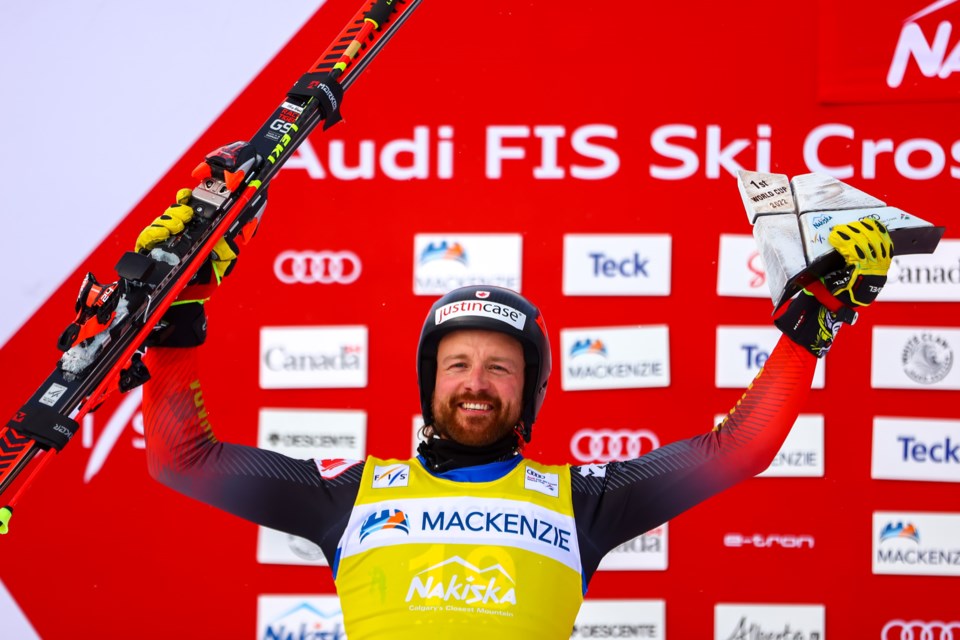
(801, 455)
(442, 263)
(895, 52)
(392, 475)
(920, 630)
(740, 270)
(915, 358)
(794, 621)
(916, 543)
(304, 434)
(474, 521)
(317, 267)
(916, 449)
(299, 616)
(925, 277)
(483, 309)
(607, 445)
(738, 540)
(646, 552)
(546, 483)
(621, 619)
(313, 357)
(742, 351)
(615, 358)
(616, 265)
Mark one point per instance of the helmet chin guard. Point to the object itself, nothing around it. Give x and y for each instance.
(491, 309)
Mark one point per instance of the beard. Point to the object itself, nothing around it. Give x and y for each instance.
(475, 431)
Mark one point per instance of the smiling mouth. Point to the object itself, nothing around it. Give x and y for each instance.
(476, 406)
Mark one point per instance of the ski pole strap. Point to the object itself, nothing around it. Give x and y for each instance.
(827, 299)
(326, 90)
(44, 424)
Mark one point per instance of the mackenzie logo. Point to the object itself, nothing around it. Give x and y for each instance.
(899, 549)
(581, 347)
(899, 530)
(614, 358)
(440, 262)
(444, 251)
(385, 519)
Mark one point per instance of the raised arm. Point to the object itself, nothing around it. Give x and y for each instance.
(182, 451)
(621, 500)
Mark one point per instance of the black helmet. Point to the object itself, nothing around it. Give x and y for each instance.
(493, 309)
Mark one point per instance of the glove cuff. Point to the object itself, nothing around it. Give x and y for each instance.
(811, 324)
(182, 326)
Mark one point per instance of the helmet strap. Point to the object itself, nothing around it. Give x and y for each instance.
(519, 432)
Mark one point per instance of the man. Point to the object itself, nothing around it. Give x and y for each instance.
(471, 538)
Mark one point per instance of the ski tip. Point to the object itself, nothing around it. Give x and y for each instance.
(5, 513)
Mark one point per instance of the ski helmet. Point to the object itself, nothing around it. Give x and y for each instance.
(493, 309)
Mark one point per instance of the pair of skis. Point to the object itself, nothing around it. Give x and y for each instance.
(103, 346)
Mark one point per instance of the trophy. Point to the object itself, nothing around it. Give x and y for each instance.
(792, 219)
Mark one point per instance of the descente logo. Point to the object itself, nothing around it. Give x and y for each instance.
(513, 317)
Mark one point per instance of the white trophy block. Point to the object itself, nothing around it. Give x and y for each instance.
(792, 219)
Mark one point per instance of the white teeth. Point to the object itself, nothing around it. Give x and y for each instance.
(475, 405)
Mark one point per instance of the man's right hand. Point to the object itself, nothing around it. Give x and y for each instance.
(172, 222)
(184, 323)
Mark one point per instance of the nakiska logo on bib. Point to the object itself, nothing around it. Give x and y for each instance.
(545, 483)
(384, 520)
(469, 589)
(494, 310)
(394, 475)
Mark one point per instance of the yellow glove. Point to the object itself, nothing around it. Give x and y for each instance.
(867, 249)
(173, 221)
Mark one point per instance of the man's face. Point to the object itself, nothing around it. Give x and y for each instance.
(479, 388)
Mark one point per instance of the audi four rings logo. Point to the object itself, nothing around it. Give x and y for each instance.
(607, 445)
(920, 630)
(317, 267)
